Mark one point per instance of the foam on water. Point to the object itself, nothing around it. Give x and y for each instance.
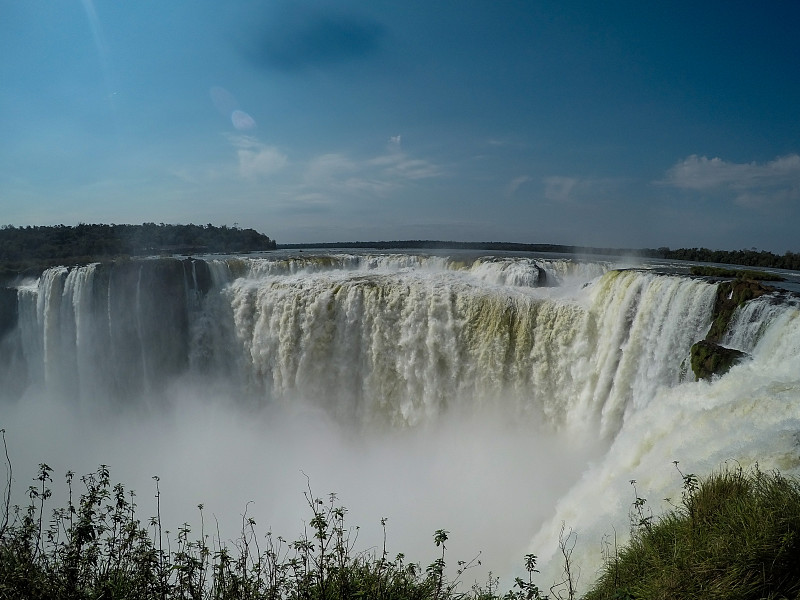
(506, 393)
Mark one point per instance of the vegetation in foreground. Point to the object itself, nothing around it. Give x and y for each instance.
(735, 535)
(98, 547)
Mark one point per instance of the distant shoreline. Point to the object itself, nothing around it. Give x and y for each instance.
(745, 258)
(30, 250)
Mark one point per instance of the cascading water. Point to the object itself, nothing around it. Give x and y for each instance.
(562, 354)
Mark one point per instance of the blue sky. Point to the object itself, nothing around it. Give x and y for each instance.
(607, 124)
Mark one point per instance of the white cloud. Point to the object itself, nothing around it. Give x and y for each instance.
(751, 184)
(558, 188)
(376, 176)
(336, 171)
(373, 186)
(256, 159)
(261, 162)
(398, 165)
(312, 202)
(199, 174)
(515, 184)
(329, 166)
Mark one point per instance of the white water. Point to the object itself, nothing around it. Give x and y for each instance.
(442, 392)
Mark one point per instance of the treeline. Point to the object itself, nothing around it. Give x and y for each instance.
(451, 245)
(23, 248)
(747, 258)
(30, 248)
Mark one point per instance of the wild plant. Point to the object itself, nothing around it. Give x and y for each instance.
(526, 590)
(640, 514)
(566, 589)
(6, 505)
(96, 546)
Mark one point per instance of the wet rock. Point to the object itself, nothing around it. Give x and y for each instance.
(709, 359)
(731, 295)
(8, 310)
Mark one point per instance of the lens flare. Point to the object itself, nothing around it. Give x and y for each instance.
(242, 121)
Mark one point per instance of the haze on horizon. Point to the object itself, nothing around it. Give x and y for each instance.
(613, 124)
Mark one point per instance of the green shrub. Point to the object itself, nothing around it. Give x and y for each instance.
(97, 547)
(736, 535)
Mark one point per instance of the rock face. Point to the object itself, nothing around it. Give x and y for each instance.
(541, 280)
(709, 359)
(118, 328)
(730, 295)
(8, 310)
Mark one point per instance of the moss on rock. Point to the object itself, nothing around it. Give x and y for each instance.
(731, 295)
(747, 274)
(709, 359)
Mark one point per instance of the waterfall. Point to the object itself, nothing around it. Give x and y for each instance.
(566, 377)
(379, 339)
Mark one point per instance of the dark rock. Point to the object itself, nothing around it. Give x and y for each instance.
(541, 279)
(709, 359)
(731, 295)
(198, 275)
(8, 310)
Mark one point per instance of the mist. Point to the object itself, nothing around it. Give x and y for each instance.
(490, 481)
(453, 393)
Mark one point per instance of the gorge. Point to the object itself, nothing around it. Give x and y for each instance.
(497, 395)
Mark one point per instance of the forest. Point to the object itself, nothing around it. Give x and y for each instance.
(28, 249)
(747, 258)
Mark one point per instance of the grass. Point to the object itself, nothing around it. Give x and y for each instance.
(734, 535)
